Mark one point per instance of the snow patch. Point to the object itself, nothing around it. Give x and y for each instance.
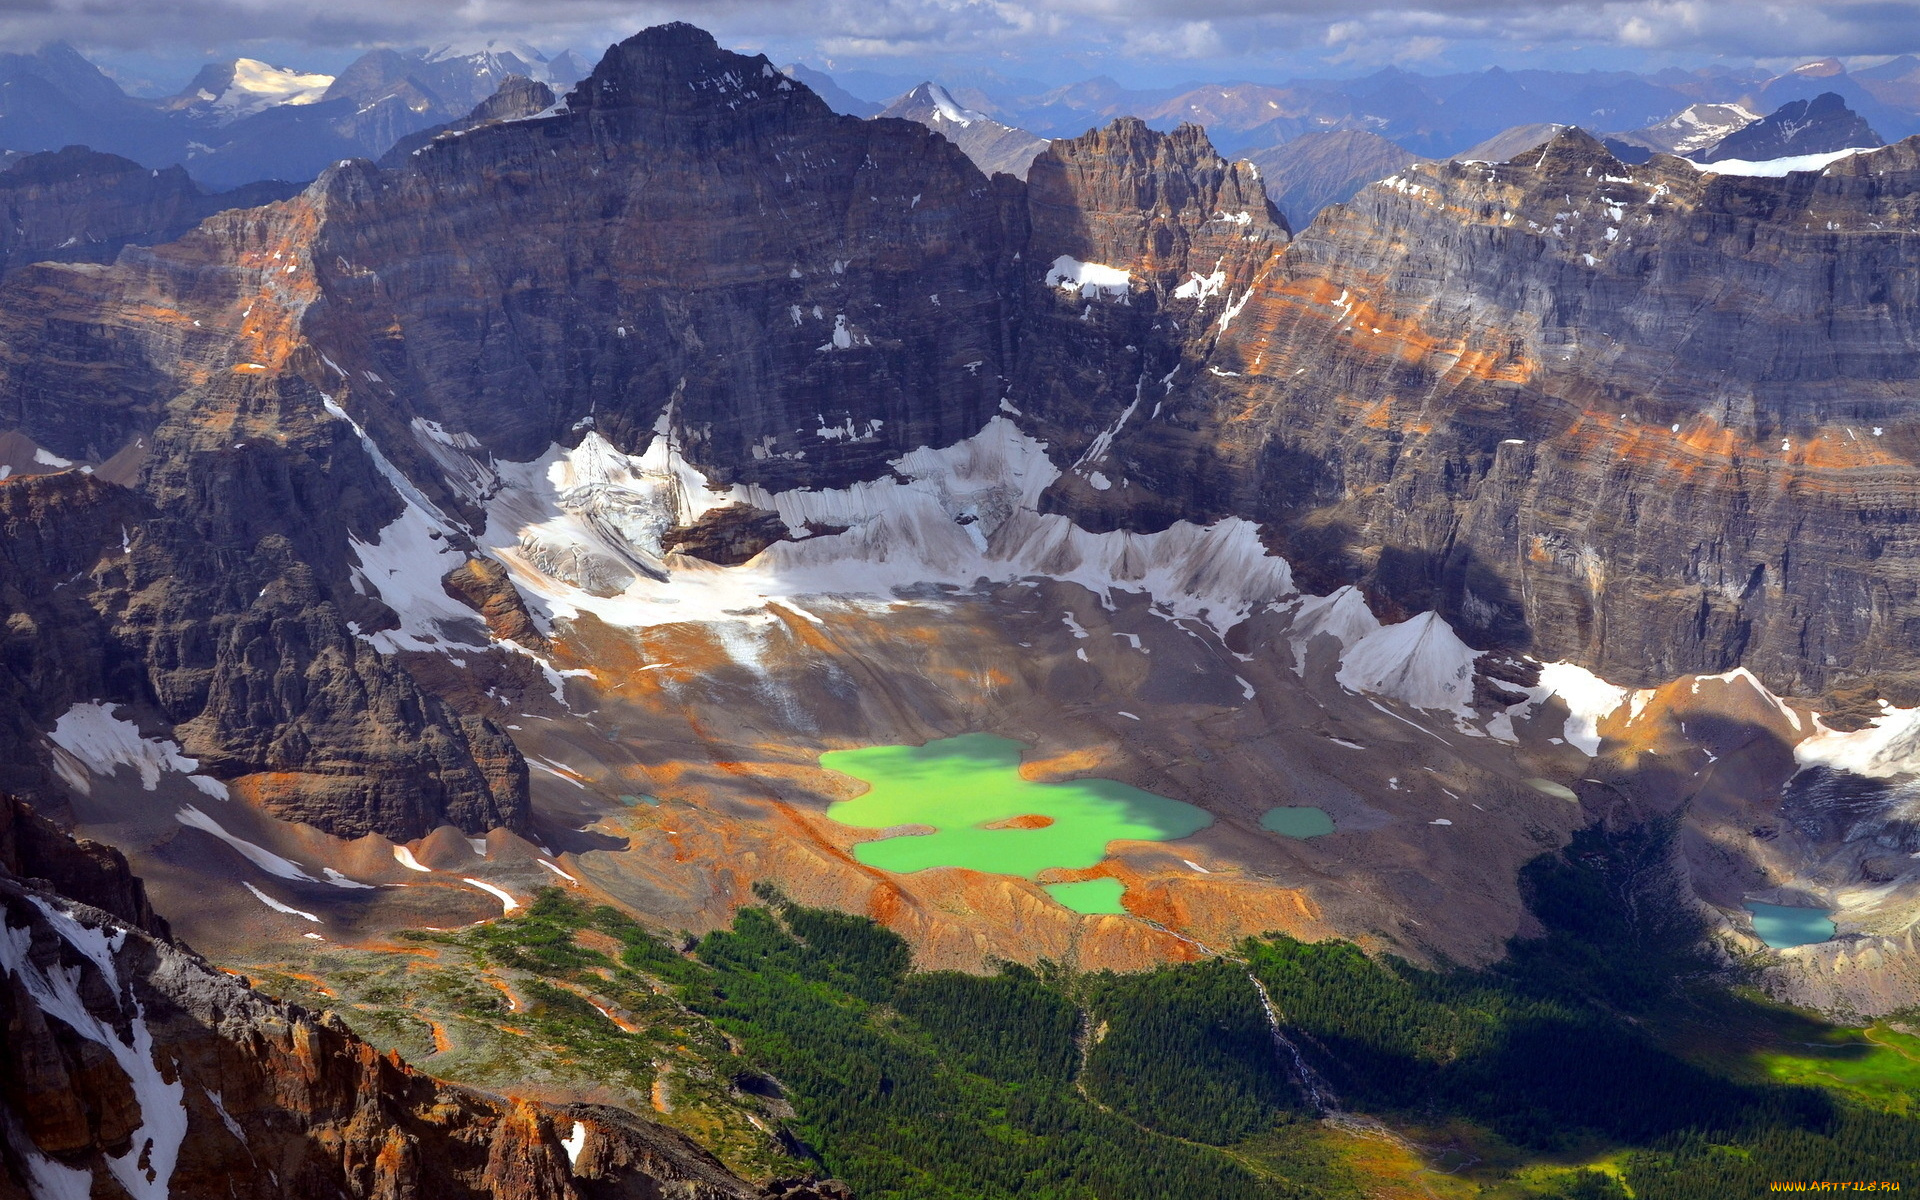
(507, 902)
(405, 858)
(1420, 662)
(102, 742)
(1089, 279)
(278, 907)
(259, 856)
(1776, 168)
(1589, 700)
(1888, 747)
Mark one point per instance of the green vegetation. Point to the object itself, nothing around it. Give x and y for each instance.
(963, 785)
(1878, 1066)
(1601, 1061)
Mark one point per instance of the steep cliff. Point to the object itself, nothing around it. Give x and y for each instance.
(131, 1067)
(1648, 419)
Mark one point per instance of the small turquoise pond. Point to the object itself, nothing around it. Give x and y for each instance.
(1780, 927)
(1297, 822)
(1090, 895)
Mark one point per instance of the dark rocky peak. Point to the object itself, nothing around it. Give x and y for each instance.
(679, 68)
(1798, 127)
(1575, 152)
(1162, 205)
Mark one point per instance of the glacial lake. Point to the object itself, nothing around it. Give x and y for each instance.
(985, 817)
(1780, 926)
(1303, 821)
(1090, 895)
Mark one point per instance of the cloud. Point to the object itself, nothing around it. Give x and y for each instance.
(1187, 40)
(1140, 31)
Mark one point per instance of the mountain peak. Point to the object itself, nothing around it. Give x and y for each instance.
(1798, 127)
(678, 67)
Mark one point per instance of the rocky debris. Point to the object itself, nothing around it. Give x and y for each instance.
(127, 1061)
(1797, 127)
(482, 584)
(807, 1188)
(993, 146)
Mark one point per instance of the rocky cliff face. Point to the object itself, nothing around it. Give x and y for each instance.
(211, 594)
(131, 1067)
(1647, 419)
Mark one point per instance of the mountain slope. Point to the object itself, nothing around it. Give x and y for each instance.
(394, 485)
(75, 205)
(993, 147)
(1798, 127)
(1317, 169)
(132, 1064)
(1694, 128)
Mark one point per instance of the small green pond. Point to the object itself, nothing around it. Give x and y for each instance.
(1090, 895)
(1297, 822)
(987, 818)
(1780, 926)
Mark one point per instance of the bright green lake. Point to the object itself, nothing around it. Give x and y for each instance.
(1090, 895)
(1301, 822)
(961, 785)
(1780, 927)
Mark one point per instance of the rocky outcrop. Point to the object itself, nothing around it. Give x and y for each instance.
(482, 585)
(130, 1066)
(1798, 127)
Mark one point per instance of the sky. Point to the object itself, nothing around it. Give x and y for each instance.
(1142, 42)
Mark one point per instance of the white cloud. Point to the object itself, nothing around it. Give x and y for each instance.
(1037, 31)
(1188, 40)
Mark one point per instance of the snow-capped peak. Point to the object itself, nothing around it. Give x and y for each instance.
(950, 109)
(258, 86)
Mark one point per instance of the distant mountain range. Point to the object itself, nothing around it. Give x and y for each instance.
(246, 120)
